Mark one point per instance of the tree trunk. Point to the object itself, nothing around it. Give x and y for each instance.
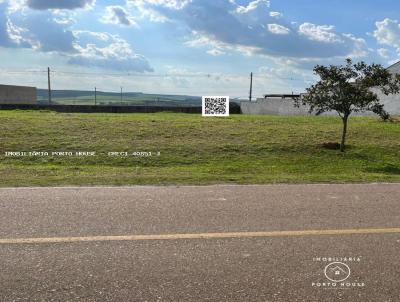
(342, 145)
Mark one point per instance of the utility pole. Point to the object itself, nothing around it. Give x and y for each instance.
(49, 84)
(251, 87)
(121, 95)
(95, 96)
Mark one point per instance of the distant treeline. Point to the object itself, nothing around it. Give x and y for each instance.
(81, 97)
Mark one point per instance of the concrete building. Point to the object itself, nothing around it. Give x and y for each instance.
(392, 101)
(273, 104)
(17, 95)
(283, 104)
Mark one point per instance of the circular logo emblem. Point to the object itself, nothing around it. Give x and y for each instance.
(337, 271)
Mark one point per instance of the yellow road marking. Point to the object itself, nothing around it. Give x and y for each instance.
(199, 236)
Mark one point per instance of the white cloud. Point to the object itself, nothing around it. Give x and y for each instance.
(202, 40)
(41, 31)
(250, 29)
(251, 6)
(118, 15)
(320, 33)
(219, 23)
(51, 32)
(15, 5)
(172, 4)
(145, 11)
(276, 14)
(79, 47)
(16, 34)
(107, 51)
(216, 52)
(384, 53)
(285, 72)
(278, 29)
(388, 32)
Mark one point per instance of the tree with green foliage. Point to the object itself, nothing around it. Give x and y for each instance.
(347, 89)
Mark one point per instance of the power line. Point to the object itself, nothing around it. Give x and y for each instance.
(184, 75)
(251, 86)
(49, 84)
(154, 75)
(23, 72)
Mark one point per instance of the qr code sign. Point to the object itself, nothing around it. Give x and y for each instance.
(215, 105)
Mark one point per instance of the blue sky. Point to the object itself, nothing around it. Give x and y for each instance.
(197, 47)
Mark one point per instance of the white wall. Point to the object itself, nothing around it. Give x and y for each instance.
(391, 102)
(17, 95)
(278, 106)
(273, 106)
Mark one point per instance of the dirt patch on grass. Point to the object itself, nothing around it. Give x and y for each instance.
(330, 146)
(395, 119)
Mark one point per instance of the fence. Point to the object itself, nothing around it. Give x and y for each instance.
(99, 108)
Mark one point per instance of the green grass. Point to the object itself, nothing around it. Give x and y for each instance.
(194, 150)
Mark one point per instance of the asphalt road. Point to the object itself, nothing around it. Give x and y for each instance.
(212, 243)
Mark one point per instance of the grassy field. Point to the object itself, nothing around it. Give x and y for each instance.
(194, 150)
